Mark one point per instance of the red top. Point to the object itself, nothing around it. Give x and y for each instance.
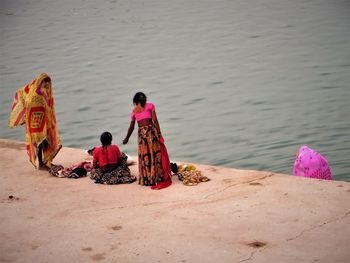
(104, 156)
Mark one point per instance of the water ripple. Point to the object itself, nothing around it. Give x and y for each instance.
(233, 91)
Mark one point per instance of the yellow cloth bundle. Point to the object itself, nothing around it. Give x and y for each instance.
(189, 175)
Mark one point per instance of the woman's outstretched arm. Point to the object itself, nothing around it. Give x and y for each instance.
(130, 130)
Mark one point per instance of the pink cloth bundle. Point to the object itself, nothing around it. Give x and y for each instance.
(310, 163)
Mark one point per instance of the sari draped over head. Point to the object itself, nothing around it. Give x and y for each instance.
(33, 105)
(310, 163)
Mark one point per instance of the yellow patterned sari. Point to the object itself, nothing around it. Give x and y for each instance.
(33, 105)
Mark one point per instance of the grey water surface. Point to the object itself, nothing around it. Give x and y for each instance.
(236, 83)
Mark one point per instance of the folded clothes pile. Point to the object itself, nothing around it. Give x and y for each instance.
(189, 175)
(75, 171)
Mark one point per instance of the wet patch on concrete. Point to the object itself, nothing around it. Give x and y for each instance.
(98, 257)
(227, 180)
(7, 259)
(13, 198)
(257, 244)
(13, 144)
(255, 184)
(113, 247)
(34, 247)
(116, 227)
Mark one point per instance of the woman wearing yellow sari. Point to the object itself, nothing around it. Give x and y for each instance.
(33, 106)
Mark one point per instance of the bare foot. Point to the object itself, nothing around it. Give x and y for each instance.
(43, 167)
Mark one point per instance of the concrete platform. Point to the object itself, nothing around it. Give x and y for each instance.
(239, 216)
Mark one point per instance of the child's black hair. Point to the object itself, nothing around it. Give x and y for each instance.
(106, 139)
(141, 98)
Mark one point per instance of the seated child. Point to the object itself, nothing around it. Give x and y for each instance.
(109, 163)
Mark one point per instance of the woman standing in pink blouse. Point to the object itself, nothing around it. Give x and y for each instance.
(150, 144)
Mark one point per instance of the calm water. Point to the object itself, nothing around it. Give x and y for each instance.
(236, 83)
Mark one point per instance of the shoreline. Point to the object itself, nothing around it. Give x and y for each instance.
(238, 216)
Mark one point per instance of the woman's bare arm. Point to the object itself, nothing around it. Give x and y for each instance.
(130, 130)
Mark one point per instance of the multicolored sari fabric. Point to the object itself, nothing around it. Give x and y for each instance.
(166, 181)
(310, 163)
(150, 157)
(33, 105)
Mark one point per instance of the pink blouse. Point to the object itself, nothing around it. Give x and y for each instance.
(145, 114)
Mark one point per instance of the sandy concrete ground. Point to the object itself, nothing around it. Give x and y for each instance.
(239, 216)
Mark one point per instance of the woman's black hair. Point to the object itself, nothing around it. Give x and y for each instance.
(106, 139)
(141, 98)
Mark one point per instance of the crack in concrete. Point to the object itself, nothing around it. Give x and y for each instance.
(132, 206)
(252, 255)
(319, 225)
(196, 201)
(232, 185)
